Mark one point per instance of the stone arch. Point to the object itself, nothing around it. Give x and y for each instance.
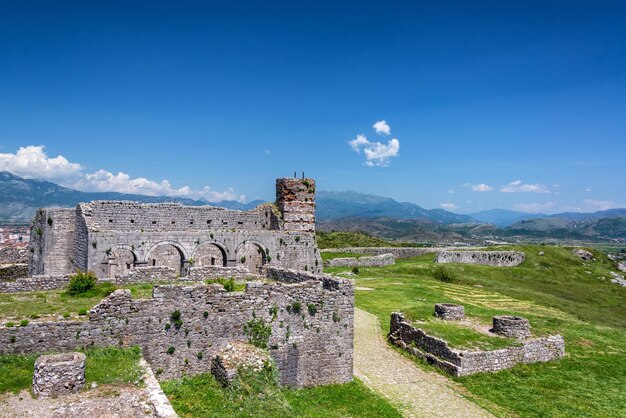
(251, 255)
(209, 253)
(167, 254)
(121, 260)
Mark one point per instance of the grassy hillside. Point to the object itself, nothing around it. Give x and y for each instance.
(352, 239)
(557, 292)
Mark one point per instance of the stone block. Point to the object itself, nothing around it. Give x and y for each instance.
(59, 374)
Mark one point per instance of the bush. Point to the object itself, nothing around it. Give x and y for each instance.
(81, 282)
(175, 318)
(355, 270)
(295, 307)
(312, 309)
(443, 275)
(82, 312)
(170, 350)
(23, 322)
(258, 332)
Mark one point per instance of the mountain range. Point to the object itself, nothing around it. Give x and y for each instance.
(383, 216)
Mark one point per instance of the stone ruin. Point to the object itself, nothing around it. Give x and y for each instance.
(464, 362)
(112, 238)
(59, 374)
(449, 311)
(511, 326)
(487, 258)
(307, 319)
(365, 261)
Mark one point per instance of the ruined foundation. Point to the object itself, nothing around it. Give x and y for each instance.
(59, 374)
(449, 311)
(511, 326)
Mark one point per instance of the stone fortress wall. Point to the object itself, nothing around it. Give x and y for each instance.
(111, 238)
(444, 254)
(365, 261)
(310, 316)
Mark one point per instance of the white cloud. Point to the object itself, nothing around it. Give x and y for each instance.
(358, 142)
(449, 206)
(589, 189)
(33, 162)
(535, 207)
(378, 154)
(451, 191)
(519, 186)
(482, 187)
(382, 128)
(590, 205)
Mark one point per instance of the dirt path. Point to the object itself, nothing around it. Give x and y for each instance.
(415, 392)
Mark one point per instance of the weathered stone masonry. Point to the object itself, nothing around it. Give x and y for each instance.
(463, 363)
(111, 238)
(311, 317)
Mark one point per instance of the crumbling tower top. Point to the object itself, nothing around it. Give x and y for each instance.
(295, 199)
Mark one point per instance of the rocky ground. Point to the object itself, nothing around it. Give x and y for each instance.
(100, 402)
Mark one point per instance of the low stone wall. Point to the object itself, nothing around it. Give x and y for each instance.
(148, 274)
(462, 363)
(487, 258)
(10, 272)
(212, 272)
(310, 318)
(367, 261)
(34, 284)
(397, 252)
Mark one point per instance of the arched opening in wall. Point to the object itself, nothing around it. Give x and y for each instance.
(251, 256)
(208, 254)
(166, 255)
(121, 261)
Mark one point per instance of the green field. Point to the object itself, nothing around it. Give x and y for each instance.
(557, 292)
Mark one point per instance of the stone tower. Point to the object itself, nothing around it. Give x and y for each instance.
(295, 199)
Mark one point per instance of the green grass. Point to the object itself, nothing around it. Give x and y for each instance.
(333, 255)
(554, 292)
(259, 395)
(112, 366)
(352, 239)
(16, 306)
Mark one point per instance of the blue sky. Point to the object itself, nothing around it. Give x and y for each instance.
(519, 105)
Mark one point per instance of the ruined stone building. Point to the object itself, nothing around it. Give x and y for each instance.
(111, 238)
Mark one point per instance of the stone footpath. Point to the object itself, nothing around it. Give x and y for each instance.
(415, 392)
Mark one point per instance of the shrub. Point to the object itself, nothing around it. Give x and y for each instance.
(10, 324)
(23, 322)
(200, 355)
(170, 350)
(82, 312)
(205, 314)
(295, 307)
(258, 332)
(229, 284)
(312, 309)
(39, 231)
(50, 221)
(175, 318)
(81, 282)
(443, 275)
(355, 270)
